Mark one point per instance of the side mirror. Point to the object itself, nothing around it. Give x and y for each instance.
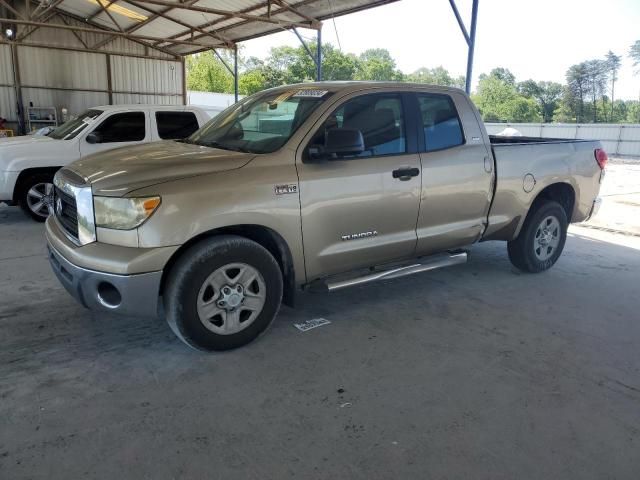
(93, 137)
(344, 141)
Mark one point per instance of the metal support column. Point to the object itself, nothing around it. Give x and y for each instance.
(235, 73)
(472, 45)
(319, 56)
(469, 38)
(18, 89)
(109, 81)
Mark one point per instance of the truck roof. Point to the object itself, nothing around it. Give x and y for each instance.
(351, 85)
(146, 106)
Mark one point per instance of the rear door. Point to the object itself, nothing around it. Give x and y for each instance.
(456, 173)
(119, 129)
(174, 125)
(358, 211)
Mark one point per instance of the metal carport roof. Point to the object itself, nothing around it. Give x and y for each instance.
(177, 28)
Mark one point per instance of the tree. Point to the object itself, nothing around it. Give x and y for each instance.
(436, 76)
(499, 101)
(547, 94)
(206, 73)
(613, 63)
(634, 54)
(596, 83)
(251, 81)
(577, 86)
(502, 74)
(377, 64)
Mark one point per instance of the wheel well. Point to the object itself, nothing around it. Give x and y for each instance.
(263, 236)
(563, 193)
(26, 173)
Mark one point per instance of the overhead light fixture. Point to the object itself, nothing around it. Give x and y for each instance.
(9, 33)
(120, 10)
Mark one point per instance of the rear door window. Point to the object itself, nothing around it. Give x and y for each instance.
(176, 125)
(440, 122)
(122, 127)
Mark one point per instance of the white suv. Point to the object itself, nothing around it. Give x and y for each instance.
(27, 164)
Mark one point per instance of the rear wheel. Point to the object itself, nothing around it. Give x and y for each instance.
(223, 293)
(542, 238)
(36, 196)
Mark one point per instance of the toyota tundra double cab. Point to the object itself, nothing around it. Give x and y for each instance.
(320, 186)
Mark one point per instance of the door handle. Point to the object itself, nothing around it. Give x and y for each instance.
(404, 174)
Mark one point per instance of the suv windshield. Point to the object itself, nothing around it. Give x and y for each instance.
(70, 129)
(261, 123)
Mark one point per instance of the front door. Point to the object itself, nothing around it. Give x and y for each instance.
(117, 130)
(360, 210)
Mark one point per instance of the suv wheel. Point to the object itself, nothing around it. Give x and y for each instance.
(541, 239)
(36, 196)
(223, 293)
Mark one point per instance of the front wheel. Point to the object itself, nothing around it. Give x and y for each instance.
(542, 238)
(36, 196)
(223, 293)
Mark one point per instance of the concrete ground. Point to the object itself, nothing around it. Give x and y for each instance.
(477, 372)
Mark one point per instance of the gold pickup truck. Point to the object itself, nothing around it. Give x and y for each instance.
(320, 186)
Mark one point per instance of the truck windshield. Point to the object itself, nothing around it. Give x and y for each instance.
(262, 123)
(72, 128)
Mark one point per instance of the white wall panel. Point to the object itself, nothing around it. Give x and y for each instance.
(129, 98)
(6, 72)
(8, 104)
(74, 102)
(62, 68)
(146, 76)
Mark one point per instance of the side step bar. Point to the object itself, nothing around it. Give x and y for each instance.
(429, 263)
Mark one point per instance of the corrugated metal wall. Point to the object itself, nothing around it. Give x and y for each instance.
(7, 90)
(76, 80)
(621, 140)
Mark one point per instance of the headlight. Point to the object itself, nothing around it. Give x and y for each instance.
(123, 213)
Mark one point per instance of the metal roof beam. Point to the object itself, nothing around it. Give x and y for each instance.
(216, 11)
(103, 32)
(219, 20)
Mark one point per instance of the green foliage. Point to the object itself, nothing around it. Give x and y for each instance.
(436, 76)
(589, 93)
(546, 94)
(377, 64)
(206, 73)
(499, 101)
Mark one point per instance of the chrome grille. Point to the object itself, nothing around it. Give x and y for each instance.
(66, 212)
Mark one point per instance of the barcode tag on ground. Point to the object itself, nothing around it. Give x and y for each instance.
(309, 324)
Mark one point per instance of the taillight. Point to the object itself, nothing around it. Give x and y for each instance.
(601, 157)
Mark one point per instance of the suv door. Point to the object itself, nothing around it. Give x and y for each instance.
(457, 174)
(118, 130)
(361, 210)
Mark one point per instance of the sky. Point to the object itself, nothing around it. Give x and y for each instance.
(534, 39)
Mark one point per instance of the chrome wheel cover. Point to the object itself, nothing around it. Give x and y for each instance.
(547, 238)
(231, 298)
(40, 199)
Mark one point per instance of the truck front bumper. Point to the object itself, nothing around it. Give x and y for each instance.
(135, 295)
(131, 287)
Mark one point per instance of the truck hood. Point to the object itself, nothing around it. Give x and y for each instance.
(118, 172)
(14, 148)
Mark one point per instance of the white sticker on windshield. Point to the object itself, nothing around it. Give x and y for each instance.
(307, 92)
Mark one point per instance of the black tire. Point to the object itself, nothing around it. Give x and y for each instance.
(189, 274)
(23, 193)
(522, 250)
